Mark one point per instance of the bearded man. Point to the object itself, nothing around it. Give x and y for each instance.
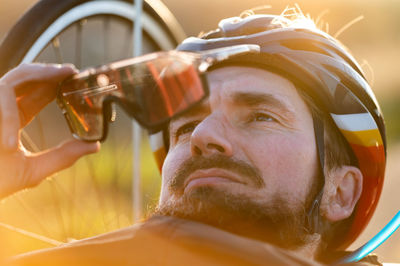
(282, 164)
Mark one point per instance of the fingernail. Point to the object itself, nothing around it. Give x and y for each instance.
(70, 66)
(96, 147)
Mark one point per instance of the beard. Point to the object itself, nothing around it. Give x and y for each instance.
(274, 221)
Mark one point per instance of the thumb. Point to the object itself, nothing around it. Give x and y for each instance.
(56, 159)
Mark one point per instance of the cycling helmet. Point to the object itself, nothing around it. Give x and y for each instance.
(331, 76)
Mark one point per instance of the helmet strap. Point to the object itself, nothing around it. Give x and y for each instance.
(313, 215)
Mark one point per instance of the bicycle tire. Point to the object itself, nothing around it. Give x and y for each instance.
(18, 37)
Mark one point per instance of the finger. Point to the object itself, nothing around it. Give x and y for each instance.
(49, 77)
(56, 159)
(9, 118)
(31, 104)
(26, 74)
(36, 86)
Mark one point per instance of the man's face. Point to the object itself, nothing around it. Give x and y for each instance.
(245, 158)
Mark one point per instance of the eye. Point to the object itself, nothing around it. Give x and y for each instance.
(261, 117)
(186, 128)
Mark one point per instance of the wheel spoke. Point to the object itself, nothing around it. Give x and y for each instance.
(32, 214)
(27, 140)
(71, 198)
(57, 50)
(43, 142)
(55, 195)
(96, 186)
(33, 147)
(58, 210)
(78, 45)
(106, 31)
(128, 42)
(31, 235)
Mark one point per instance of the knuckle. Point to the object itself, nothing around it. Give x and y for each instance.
(21, 67)
(71, 66)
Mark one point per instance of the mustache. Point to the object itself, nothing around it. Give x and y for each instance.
(249, 172)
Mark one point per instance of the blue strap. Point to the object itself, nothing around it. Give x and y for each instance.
(375, 242)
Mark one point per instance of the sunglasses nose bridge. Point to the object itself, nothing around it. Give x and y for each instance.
(109, 108)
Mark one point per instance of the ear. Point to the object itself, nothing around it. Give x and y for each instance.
(341, 193)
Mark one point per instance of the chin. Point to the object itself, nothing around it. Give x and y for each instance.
(215, 206)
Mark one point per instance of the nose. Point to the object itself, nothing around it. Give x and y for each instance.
(209, 137)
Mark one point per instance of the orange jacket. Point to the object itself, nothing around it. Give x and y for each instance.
(164, 241)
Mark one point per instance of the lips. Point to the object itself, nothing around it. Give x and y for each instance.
(210, 177)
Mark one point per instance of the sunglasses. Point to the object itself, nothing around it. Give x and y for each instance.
(152, 89)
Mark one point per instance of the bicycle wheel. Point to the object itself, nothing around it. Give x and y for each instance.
(48, 18)
(93, 196)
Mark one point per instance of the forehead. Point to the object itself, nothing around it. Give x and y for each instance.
(228, 81)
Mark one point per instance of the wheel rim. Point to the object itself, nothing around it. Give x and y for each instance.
(89, 9)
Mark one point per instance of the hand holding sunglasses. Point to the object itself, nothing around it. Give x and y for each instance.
(24, 91)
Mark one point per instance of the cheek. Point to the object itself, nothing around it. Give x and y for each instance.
(175, 157)
(287, 163)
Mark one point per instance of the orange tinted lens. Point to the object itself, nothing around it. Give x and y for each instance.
(162, 88)
(152, 88)
(83, 103)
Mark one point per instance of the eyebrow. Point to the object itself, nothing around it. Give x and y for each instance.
(199, 109)
(257, 98)
(249, 99)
